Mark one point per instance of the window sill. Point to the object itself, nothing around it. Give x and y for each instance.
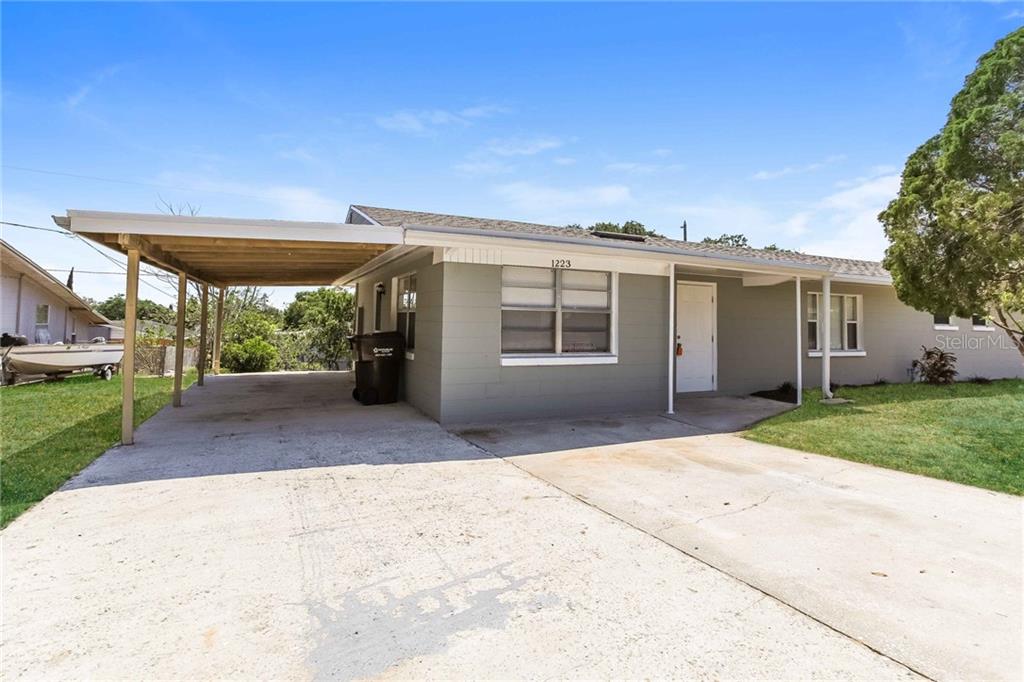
(983, 329)
(563, 359)
(839, 354)
(946, 328)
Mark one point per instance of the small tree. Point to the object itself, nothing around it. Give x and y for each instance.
(252, 355)
(956, 230)
(936, 366)
(326, 315)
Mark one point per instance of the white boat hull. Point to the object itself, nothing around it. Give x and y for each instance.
(60, 359)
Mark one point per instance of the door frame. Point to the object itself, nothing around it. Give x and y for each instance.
(714, 331)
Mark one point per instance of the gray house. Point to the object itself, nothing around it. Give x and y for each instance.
(511, 320)
(508, 319)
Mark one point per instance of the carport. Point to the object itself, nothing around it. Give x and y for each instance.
(219, 253)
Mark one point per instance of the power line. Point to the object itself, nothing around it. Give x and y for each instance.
(98, 272)
(34, 227)
(124, 268)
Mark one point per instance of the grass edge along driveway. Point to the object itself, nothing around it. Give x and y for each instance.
(50, 431)
(967, 433)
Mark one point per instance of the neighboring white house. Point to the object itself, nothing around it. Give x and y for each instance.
(35, 304)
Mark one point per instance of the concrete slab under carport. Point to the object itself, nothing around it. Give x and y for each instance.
(926, 571)
(273, 528)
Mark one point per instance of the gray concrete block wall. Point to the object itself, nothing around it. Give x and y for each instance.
(475, 387)
(757, 338)
(421, 375)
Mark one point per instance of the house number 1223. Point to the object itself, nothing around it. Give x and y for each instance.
(561, 263)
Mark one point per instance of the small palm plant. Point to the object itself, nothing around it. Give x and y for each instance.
(936, 366)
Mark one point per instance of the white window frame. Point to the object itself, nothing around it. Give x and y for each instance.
(397, 306)
(48, 318)
(559, 357)
(843, 352)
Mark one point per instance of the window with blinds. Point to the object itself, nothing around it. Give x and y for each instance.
(549, 311)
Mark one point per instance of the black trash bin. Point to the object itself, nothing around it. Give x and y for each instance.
(378, 366)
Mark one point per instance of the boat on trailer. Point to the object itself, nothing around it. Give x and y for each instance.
(61, 359)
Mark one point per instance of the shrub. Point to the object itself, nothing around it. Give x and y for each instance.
(936, 366)
(980, 380)
(251, 355)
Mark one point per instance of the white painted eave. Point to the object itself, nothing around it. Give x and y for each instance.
(105, 222)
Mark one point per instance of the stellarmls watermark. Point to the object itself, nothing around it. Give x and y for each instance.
(971, 342)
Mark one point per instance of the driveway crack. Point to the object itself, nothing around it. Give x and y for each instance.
(742, 509)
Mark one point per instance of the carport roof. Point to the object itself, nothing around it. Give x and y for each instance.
(233, 251)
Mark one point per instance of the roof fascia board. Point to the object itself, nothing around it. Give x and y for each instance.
(863, 279)
(353, 209)
(427, 235)
(230, 228)
(387, 258)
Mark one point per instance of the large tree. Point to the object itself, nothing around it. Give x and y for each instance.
(957, 227)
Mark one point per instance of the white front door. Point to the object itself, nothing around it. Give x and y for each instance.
(695, 337)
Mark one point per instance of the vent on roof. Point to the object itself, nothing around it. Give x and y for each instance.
(620, 235)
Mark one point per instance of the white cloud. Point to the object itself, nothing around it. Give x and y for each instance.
(638, 168)
(297, 154)
(519, 146)
(1014, 14)
(662, 152)
(73, 100)
(483, 167)
(425, 121)
(798, 170)
(539, 199)
(564, 161)
(290, 202)
(847, 221)
(842, 224)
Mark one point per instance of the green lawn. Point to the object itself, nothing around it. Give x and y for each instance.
(968, 433)
(50, 431)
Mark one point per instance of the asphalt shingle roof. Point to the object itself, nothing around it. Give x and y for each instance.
(398, 218)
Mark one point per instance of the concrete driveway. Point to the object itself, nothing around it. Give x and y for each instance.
(272, 528)
(925, 571)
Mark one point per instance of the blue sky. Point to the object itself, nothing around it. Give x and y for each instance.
(787, 122)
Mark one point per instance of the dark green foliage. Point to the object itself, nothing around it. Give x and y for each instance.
(936, 366)
(735, 240)
(628, 227)
(254, 354)
(956, 230)
(113, 309)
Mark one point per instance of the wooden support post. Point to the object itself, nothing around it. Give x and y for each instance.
(179, 338)
(131, 304)
(218, 333)
(202, 333)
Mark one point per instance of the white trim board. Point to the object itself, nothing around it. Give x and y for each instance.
(102, 222)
